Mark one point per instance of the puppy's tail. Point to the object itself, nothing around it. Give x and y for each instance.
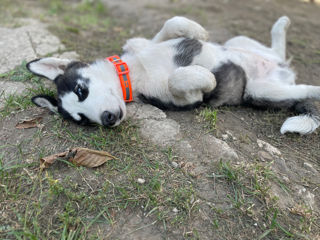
(307, 122)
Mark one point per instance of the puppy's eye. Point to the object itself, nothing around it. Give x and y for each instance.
(78, 90)
(81, 92)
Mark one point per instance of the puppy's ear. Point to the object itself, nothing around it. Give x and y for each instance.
(48, 67)
(46, 101)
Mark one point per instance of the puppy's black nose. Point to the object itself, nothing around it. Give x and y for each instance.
(108, 119)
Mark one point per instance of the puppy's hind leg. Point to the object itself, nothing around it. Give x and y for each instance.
(278, 36)
(188, 84)
(275, 92)
(293, 97)
(181, 27)
(307, 122)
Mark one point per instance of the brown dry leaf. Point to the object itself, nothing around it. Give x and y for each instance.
(118, 29)
(301, 211)
(29, 123)
(89, 158)
(47, 161)
(79, 156)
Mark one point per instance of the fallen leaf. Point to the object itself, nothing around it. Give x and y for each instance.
(29, 123)
(301, 211)
(47, 161)
(90, 158)
(118, 29)
(79, 156)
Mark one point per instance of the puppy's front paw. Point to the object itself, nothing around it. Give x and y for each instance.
(183, 27)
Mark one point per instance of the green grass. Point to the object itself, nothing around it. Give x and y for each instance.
(20, 74)
(15, 102)
(74, 196)
(210, 116)
(81, 16)
(251, 188)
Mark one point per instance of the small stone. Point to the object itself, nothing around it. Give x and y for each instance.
(162, 132)
(218, 149)
(268, 147)
(309, 167)
(231, 135)
(174, 164)
(225, 137)
(286, 179)
(264, 156)
(309, 199)
(301, 190)
(29, 160)
(175, 210)
(141, 180)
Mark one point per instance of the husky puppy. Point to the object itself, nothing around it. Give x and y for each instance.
(178, 70)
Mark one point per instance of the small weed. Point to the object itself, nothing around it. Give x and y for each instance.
(275, 225)
(210, 116)
(56, 6)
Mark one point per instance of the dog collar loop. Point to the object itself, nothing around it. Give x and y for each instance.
(123, 73)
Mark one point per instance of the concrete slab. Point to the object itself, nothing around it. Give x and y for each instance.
(26, 43)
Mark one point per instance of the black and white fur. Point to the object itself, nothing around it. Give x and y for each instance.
(178, 69)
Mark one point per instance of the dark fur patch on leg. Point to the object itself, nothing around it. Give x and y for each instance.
(231, 81)
(304, 107)
(268, 104)
(167, 105)
(307, 107)
(187, 49)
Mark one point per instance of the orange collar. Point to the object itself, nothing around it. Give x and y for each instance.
(123, 72)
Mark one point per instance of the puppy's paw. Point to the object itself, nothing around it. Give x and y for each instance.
(282, 24)
(303, 124)
(183, 27)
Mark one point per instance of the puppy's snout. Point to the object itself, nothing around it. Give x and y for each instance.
(108, 119)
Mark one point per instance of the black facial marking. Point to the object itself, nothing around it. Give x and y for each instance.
(305, 107)
(167, 105)
(63, 112)
(68, 81)
(83, 121)
(120, 114)
(187, 49)
(231, 81)
(81, 91)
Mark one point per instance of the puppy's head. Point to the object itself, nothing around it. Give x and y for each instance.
(86, 92)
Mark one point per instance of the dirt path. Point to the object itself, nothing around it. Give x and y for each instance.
(224, 174)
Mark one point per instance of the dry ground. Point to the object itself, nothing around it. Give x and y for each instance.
(259, 196)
